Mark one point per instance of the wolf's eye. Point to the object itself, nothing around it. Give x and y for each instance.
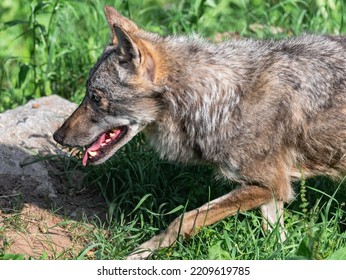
(95, 97)
(124, 63)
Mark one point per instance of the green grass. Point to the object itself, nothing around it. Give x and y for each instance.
(48, 47)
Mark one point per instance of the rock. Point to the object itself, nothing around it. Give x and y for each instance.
(25, 137)
(34, 181)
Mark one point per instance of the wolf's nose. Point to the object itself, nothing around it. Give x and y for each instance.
(58, 136)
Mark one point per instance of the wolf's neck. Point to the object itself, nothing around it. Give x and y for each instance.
(204, 84)
(198, 73)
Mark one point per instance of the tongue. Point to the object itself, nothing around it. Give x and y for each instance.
(93, 148)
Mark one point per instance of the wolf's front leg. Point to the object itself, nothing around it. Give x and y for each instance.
(242, 199)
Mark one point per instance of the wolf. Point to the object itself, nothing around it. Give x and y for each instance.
(261, 112)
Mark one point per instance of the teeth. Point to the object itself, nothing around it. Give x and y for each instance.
(111, 135)
(107, 141)
(103, 144)
(92, 153)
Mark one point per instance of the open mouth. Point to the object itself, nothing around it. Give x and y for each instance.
(103, 145)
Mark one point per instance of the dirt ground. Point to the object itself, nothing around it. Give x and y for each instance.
(52, 228)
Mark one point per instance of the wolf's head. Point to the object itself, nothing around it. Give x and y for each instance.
(121, 98)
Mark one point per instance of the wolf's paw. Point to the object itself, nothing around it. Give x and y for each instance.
(164, 239)
(139, 254)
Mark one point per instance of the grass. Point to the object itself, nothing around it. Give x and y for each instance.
(48, 47)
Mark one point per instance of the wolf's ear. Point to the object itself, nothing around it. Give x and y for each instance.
(129, 54)
(114, 18)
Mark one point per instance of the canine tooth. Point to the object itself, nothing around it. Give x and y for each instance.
(92, 153)
(112, 134)
(107, 141)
